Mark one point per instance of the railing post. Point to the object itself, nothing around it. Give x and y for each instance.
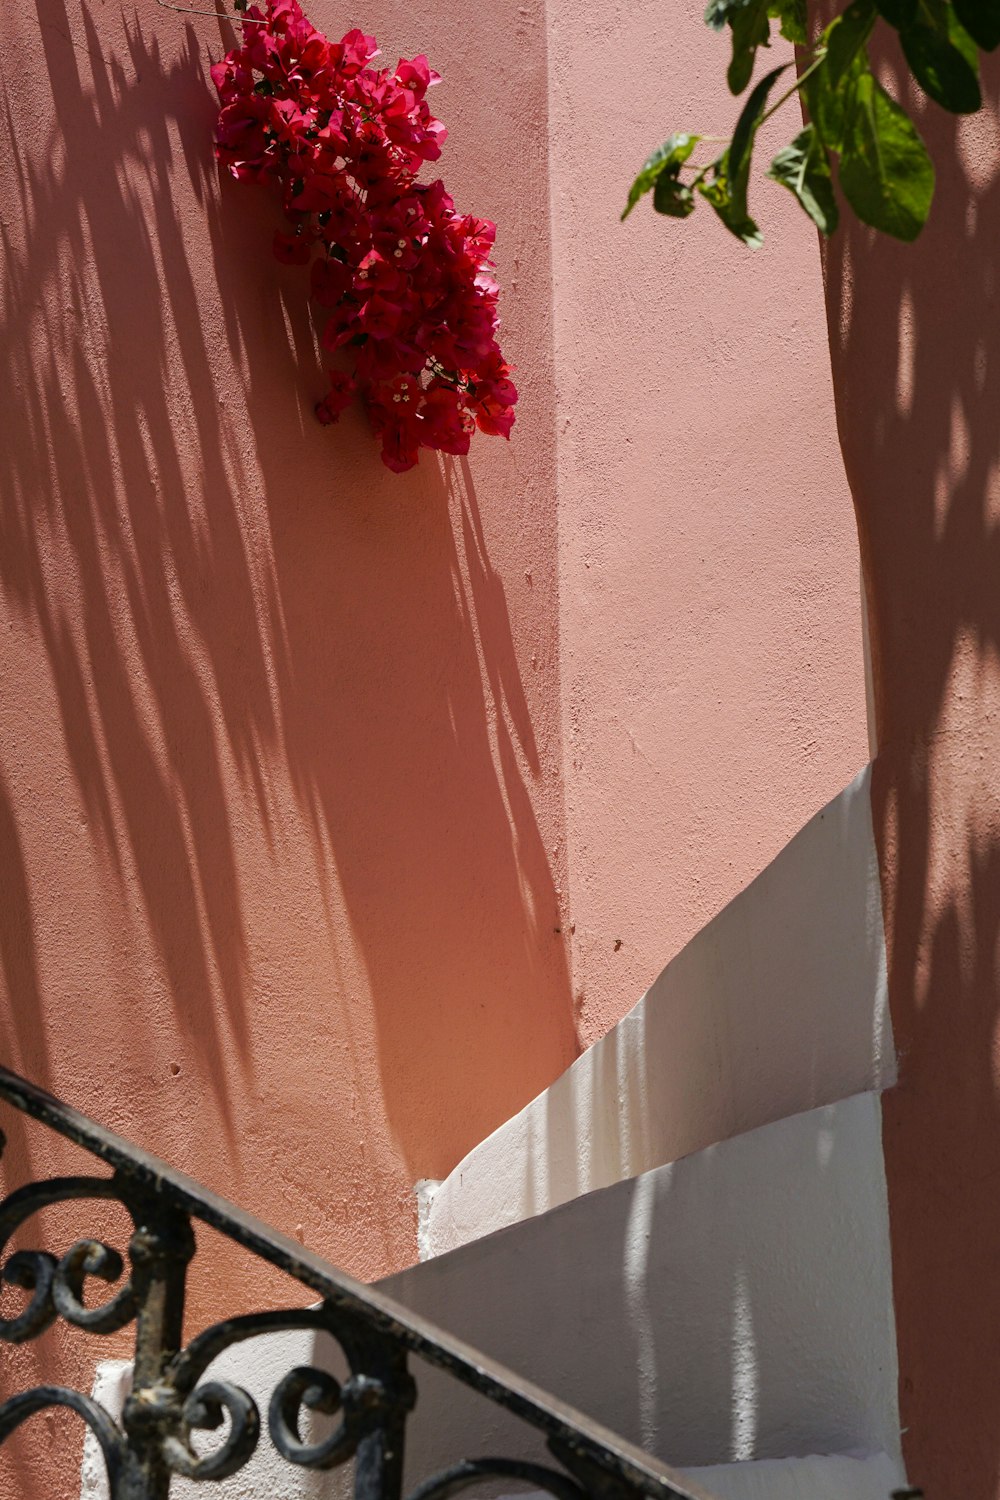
(160, 1249)
(388, 1393)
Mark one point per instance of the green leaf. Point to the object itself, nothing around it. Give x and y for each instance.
(672, 197)
(898, 12)
(943, 57)
(960, 38)
(717, 12)
(751, 29)
(804, 169)
(885, 172)
(717, 193)
(666, 158)
(831, 104)
(748, 21)
(727, 192)
(741, 146)
(791, 18)
(941, 70)
(981, 19)
(846, 36)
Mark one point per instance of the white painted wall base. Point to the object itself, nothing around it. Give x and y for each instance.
(820, 1477)
(425, 1191)
(777, 1006)
(257, 1365)
(112, 1384)
(834, 1477)
(733, 1305)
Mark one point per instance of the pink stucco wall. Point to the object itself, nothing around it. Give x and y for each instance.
(327, 795)
(712, 674)
(281, 819)
(281, 747)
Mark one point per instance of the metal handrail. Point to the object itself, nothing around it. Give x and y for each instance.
(169, 1398)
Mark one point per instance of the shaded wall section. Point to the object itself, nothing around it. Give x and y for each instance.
(913, 334)
(284, 740)
(280, 812)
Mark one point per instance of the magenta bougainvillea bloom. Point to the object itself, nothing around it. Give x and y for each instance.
(405, 282)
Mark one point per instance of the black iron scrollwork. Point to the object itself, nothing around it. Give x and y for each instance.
(109, 1436)
(175, 1396)
(472, 1471)
(33, 1271)
(205, 1410)
(57, 1285)
(306, 1388)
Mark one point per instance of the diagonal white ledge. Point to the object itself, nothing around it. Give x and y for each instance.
(778, 1005)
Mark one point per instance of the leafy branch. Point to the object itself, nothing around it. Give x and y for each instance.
(883, 168)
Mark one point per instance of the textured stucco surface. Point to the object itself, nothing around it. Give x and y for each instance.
(712, 677)
(326, 795)
(281, 822)
(281, 779)
(777, 1005)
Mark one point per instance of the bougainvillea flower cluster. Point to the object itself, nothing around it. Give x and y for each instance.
(405, 281)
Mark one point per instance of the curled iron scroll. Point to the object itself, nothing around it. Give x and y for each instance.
(205, 1410)
(57, 1286)
(33, 1271)
(471, 1471)
(110, 1438)
(304, 1388)
(308, 1388)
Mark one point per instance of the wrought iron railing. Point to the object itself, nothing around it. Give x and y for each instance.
(170, 1400)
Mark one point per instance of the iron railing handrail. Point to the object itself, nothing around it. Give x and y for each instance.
(599, 1462)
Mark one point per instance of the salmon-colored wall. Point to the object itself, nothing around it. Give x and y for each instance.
(282, 812)
(281, 824)
(913, 340)
(337, 808)
(712, 670)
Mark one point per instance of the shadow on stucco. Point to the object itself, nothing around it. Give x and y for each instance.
(96, 453)
(243, 621)
(242, 590)
(913, 334)
(407, 732)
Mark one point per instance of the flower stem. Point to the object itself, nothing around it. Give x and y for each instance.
(221, 15)
(794, 88)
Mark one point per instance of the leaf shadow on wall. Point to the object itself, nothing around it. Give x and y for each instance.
(407, 729)
(97, 540)
(231, 601)
(916, 366)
